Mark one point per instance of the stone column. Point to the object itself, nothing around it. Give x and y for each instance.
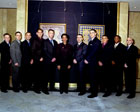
(22, 16)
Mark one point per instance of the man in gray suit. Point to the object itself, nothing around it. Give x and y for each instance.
(15, 52)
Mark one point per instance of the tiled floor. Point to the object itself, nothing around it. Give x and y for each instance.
(32, 102)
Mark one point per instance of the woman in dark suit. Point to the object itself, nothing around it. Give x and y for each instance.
(79, 55)
(64, 60)
(130, 67)
(5, 62)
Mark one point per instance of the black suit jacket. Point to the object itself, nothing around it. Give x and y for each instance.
(49, 50)
(5, 53)
(119, 54)
(80, 52)
(37, 49)
(64, 54)
(26, 52)
(106, 54)
(130, 57)
(93, 51)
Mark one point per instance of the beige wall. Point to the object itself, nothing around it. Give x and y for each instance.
(7, 22)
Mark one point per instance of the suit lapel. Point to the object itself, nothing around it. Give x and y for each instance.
(50, 43)
(17, 42)
(7, 46)
(117, 46)
(130, 48)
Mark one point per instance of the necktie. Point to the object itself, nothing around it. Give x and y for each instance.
(128, 47)
(52, 42)
(29, 43)
(103, 45)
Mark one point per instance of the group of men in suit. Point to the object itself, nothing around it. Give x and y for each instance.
(34, 62)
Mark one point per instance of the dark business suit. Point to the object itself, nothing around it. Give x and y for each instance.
(5, 66)
(37, 53)
(26, 66)
(49, 52)
(118, 57)
(92, 56)
(16, 55)
(64, 58)
(79, 55)
(104, 71)
(130, 72)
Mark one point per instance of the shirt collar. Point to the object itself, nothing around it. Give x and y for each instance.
(18, 41)
(117, 43)
(79, 43)
(6, 42)
(129, 45)
(28, 41)
(93, 38)
(50, 39)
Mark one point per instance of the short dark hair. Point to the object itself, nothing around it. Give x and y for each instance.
(93, 30)
(28, 32)
(118, 36)
(67, 36)
(18, 32)
(51, 30)
(80, 35)
(39, 29)
(105, 36)
(6, 34)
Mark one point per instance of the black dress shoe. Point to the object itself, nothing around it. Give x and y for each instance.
(25, 90)
(66, 92)
(4, 91)
(106, 94)
(37, 91)
(131, 96)
(92, 95)
(45, 92)
(119, 94)
(61, 92)
(81, 93)
(16, 90)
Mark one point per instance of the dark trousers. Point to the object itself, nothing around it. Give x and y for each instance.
(26, 76)
(49, 76)
(118, 78)
(105, 78)
(64, 78)
(5, 74)
(130, 80)
(93, 78)
(80, 73)
(38, 73)
(16, 79)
